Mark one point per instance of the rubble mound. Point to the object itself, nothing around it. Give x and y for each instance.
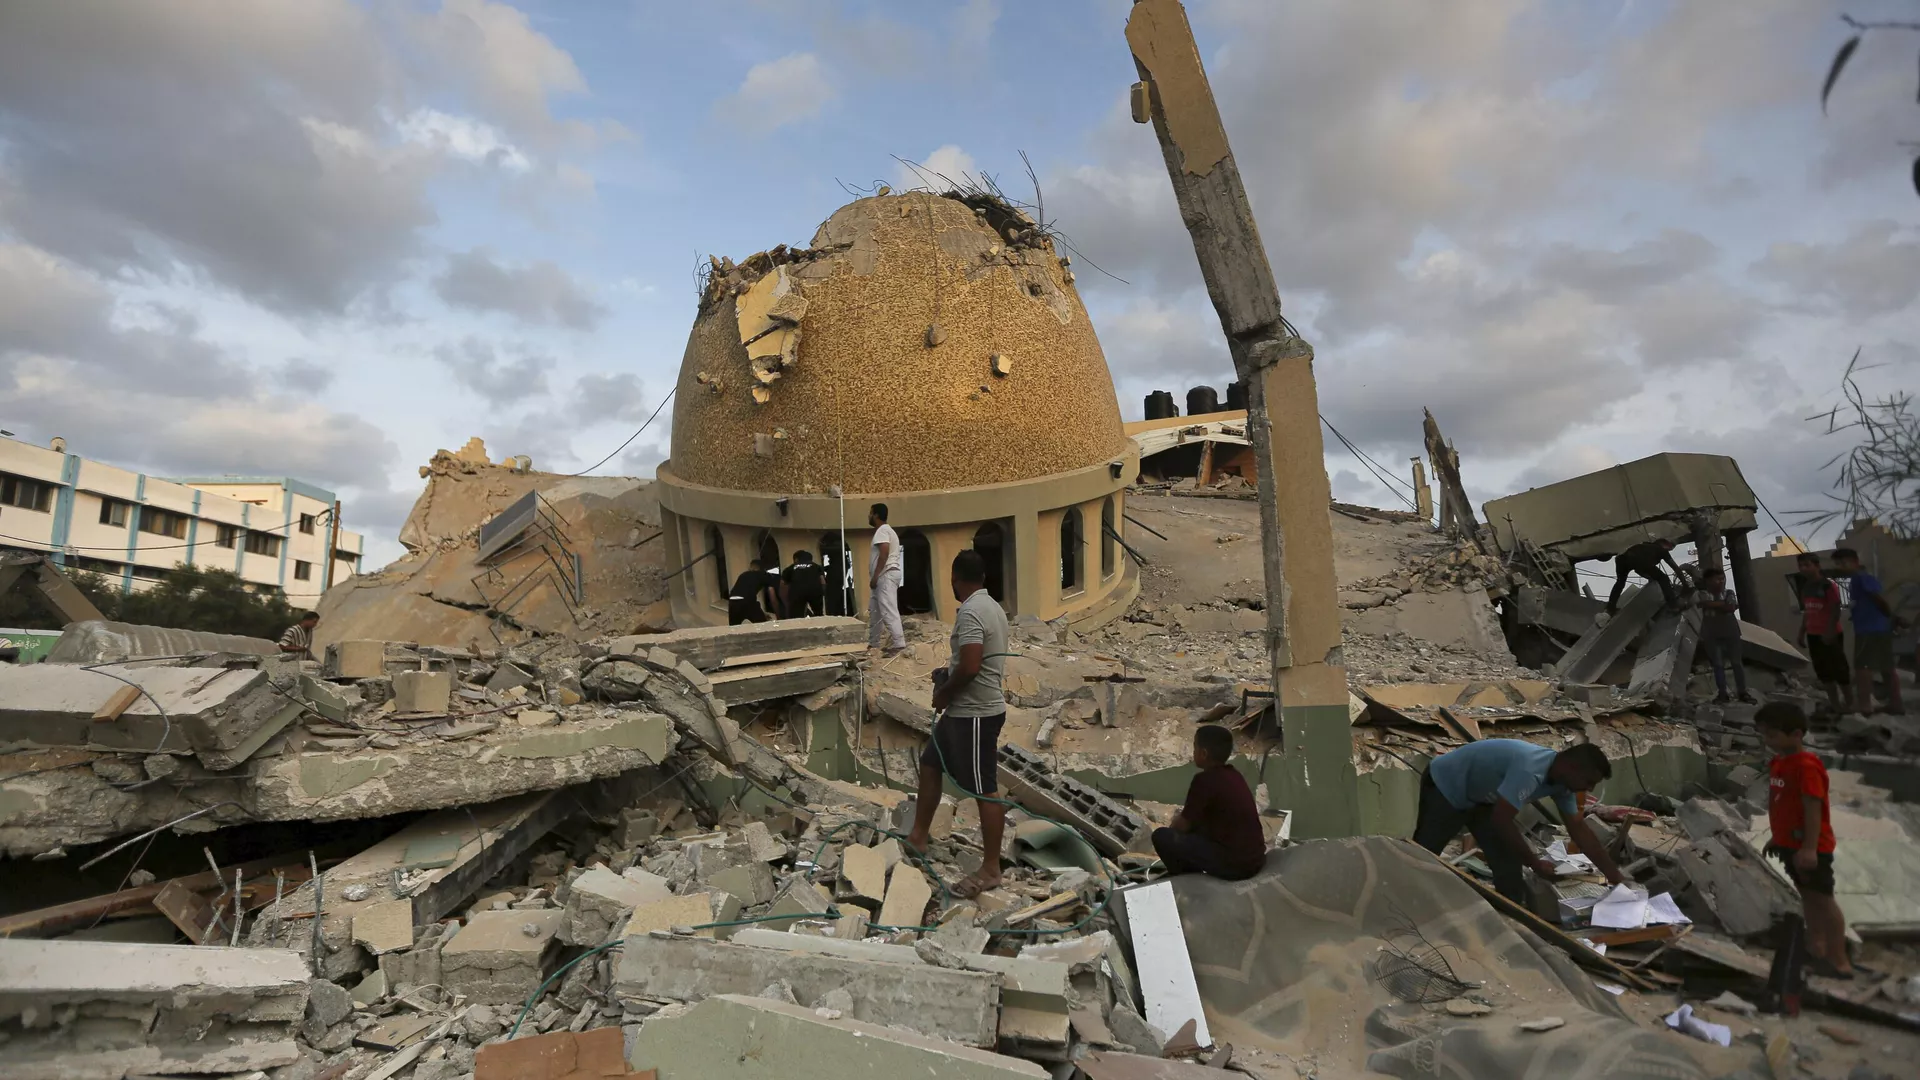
(442, 593)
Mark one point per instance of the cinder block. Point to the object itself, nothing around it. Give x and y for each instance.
(598, 899)
(422, 691)
(359, 659)
(494, 961)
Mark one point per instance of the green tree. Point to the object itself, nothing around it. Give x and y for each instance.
(188, 598)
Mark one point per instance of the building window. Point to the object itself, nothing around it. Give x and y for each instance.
(1107, 530)
(345, 556)
(302, 570)
(1071, 533)
(717, 546)
(25, 493)
(306, 524)
(149, 573)
(113, 512)
(259, 543)
(227, 536)
(163, 523)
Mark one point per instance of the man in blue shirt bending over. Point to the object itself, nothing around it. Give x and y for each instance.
(1482, 786)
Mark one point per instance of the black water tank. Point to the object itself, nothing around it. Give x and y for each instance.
(1202, 399)
(1160, 405)
(1237, 396)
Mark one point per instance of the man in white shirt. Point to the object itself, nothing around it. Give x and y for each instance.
(884, 575)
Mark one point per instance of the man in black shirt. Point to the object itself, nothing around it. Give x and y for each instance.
(1644, 559)
(806, 586)
(743, 601)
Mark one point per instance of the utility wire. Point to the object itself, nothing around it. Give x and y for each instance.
(1371, 466)
(630, 438)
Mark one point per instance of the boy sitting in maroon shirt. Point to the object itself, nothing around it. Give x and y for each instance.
(1218, 832)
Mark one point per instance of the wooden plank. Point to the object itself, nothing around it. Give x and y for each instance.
(120, 702)
(1581, 955)
(746, 685)
(1628, 937)
(48, 921)
(188, 911)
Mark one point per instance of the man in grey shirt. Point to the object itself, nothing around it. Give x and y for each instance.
(966, 736)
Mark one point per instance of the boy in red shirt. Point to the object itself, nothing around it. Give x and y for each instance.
(1803, 833)
(1218, 831)
(1820, 632)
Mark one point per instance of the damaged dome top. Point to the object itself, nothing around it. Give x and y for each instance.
(921, 342)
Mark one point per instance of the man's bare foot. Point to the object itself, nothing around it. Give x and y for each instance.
(974, 884)
(917, 842)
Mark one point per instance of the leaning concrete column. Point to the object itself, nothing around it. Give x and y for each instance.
(1740, 570)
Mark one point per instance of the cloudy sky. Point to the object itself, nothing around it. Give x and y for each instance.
(325, 237)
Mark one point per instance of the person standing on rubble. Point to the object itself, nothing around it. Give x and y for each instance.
(1820, 632)
(971, 707)
(297, 641)
(1873, 626)
(1644, 559)
(1481, 787)
(1720, 634)
(1801, 820)
(884, 574)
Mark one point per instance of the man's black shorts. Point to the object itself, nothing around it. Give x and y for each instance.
(1829, 661)
(967, 748)
(1817, 880)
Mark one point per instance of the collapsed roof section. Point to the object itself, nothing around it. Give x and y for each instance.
(1601, 514)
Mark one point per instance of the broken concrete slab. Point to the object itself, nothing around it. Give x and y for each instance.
(84, 1009)
(746, 685)
(801, 899)
(1041, 985)
(493, 960)
(689, 910)
(360, 658)
(864, 869)
(219, 715)
(962, 1006)
(422, 691)
(1664, 662)
(599, 900)
(1759, 645)
(1160, 953)
(1602, 644)
(733, 1037)
(384, 927)
(751, 882)
(710, 647)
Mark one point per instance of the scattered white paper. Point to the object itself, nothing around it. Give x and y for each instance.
(1625, 908)
(1662, 911)
(1610, 988)
(1682, 1019)
(1569, 863)
(1594, 945)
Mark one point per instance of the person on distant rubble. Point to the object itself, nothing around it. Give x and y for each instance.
(1820, 632)
(1644, 559)
(1218, 831)
(1720, 635)
(1482, 786)
(297, 641)
(884, 574)
(806, 587)
(1873, 627)
(971, 707)
(1802, 823)
(743, 600)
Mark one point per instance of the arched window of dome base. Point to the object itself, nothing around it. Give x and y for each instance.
(916, 568)
(1108, 528)
(990, 540)
(717, 544)
(1072, 541)
(839, 570)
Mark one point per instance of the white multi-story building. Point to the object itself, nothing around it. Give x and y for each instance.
(275, 532)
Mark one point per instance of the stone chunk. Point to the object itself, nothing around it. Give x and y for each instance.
(333, 701)
(509, 675)
(752, 882)
(384, 927)
(695, 677)
(636, 828)
(372, 988)
(721, 1038)
(597, 901)
(494, 961)
(361, 659)
(962, 1006)
(693, 909)
(327, 1004)
(422, 691)
(800, 899)
(762, 845)
(864, 869)
(617, 680)
(907, 897)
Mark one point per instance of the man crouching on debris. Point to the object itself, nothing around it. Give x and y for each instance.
(1482, 786)
(1218, 831)
(972, 708)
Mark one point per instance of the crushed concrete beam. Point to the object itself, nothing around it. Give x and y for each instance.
(1027, 983)
(962, 1006)
(731, 1037)
(710, 647)
(741, 686)
(1601, 645)
(1665, 660)
(78, 1010)
(219, 715)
